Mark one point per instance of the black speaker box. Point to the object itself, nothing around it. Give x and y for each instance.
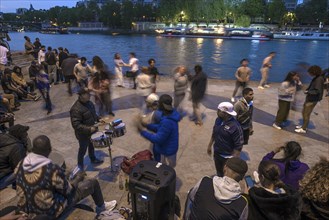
(152, 186)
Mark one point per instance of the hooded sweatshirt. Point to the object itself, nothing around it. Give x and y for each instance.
(217, 198)
(41, 186)
(264, 204)
(295, 172)
(165, 138)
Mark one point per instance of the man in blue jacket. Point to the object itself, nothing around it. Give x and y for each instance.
(164, 135)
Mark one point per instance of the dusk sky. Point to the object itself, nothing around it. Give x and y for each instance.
(12, 5)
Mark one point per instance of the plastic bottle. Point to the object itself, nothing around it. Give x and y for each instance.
(120, 182)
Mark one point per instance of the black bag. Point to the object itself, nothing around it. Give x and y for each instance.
(130, 74)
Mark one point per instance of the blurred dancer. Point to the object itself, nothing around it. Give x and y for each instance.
(265, 70)
(118, 62)
(242, 76)
(198, 90)
(180, 85)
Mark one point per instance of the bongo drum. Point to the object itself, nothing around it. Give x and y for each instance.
(100, 140)
(119, 130)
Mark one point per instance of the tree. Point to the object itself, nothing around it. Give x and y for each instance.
(127, 14)
(243, 21)
(253, 8)
(275, 11)
(110, 14)
(169, 10)
(313, 12)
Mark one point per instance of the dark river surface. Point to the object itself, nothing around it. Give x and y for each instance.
(219, 57)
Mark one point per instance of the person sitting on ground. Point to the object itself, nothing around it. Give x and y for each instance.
(10, 87)
(13, 148)
(219, 197)
(53, 194)
(18, 78)
(6, 116)
(165, 136)
(272, 199)
(314, 189)
(8, 101)
(291, 169)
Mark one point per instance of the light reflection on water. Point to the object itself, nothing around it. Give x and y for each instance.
(219, 57)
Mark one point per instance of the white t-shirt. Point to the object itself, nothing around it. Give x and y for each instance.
(133, 62)
(41, 56)
(3, 55)
(117, 67)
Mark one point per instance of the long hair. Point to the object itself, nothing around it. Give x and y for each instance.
(314, 186)
(98, 63)
(270, 174)
(290, 77)
(292, 151)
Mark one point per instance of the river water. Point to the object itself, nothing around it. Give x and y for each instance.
(219, 57)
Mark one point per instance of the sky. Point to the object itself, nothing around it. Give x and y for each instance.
(11, 5)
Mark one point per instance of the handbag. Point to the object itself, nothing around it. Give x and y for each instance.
(128, 164)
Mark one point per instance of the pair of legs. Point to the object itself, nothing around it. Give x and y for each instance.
(264, 71)
(283, 112)
(46, 97)
(307, 110)
(197, 112)
(219, 163)
(69, 83)
(52, 72)
(238, 84)
(178, 99)
(119, 78)
(169, 160)
(84, 144)
(9, 101)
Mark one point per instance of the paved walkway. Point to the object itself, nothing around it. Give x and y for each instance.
(192, 159)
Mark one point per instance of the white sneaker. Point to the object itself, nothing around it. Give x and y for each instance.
(110, 205)
(267, 86)
(300, 130)
(260, 87)
(232, 99)
(298, 126)
(276, 126)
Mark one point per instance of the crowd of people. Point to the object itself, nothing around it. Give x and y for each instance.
(283, 188)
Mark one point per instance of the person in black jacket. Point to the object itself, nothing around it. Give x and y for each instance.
(83, 120)
(272, 199)
(219, 197)
(198, 89)
(67, 67)
(13, 147)
(314, 94)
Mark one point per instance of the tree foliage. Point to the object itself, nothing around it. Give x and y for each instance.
(276, 10)
(313, 12)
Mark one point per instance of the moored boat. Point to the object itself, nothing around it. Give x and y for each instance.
(301, 35)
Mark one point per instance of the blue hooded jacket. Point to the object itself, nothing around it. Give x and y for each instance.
(165, 136)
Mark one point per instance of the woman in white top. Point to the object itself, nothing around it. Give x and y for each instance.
(118, 64)
(144, 84)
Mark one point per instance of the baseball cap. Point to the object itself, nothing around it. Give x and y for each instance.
(227, 107)
(237, 165)
(152, 98)
(166, 101)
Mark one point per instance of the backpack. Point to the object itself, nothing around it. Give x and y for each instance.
(128, 164)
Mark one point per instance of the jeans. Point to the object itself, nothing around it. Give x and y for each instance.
(86, 188)
(46, 97)
(84, 144)
(219, 163)
(307, 110)
(238, 84)
(196, 111)
(52, 72)
(7, 180)
(283, 112)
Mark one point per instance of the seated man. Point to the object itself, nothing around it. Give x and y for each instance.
(18, 78)
(9, 102)
(13, 147)
(42, 187)
(219, 197)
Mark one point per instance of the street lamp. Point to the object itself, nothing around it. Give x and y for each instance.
(181, 16)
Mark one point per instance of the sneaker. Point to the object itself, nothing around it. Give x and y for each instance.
(267, 86)
(232, 99)
(298, 126)
(97, 161)
(276, 126)
(260, 87)
(300, 130)
(110, 205)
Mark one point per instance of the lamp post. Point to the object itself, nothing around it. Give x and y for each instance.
(181, 18)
